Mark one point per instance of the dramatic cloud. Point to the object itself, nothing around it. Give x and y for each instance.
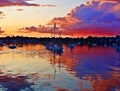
(1, 31)
(1, 15)
(40, 29)
(96, 17)
(4, 3)
(45, 30)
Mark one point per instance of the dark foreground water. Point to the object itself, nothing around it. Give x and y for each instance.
(33, 68)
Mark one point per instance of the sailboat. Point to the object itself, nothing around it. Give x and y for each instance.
(12, 46)
(57, 48)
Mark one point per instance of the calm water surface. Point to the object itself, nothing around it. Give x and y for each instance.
(33, 68)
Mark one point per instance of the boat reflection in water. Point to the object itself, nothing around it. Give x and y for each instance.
(33, 68)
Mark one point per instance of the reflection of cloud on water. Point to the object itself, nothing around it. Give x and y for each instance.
(11, 82)
(89, 67)
(94, 61)
(63, 81)
(109, 84)
(41, 70)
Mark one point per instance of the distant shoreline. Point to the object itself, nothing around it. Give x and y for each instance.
(80, 41)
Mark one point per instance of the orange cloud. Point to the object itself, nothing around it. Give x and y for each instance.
(40, 29)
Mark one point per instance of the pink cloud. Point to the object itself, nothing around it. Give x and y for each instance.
(99, 17)
(4, 3)
(40, 29)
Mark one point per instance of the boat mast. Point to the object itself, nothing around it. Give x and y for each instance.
(54, 29)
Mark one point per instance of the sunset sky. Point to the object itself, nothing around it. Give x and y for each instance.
(76, 18)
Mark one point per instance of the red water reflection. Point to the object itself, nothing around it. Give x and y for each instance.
(110, 84)
(106, 56)
(85, 64)
(99, 84)
(73, 58)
